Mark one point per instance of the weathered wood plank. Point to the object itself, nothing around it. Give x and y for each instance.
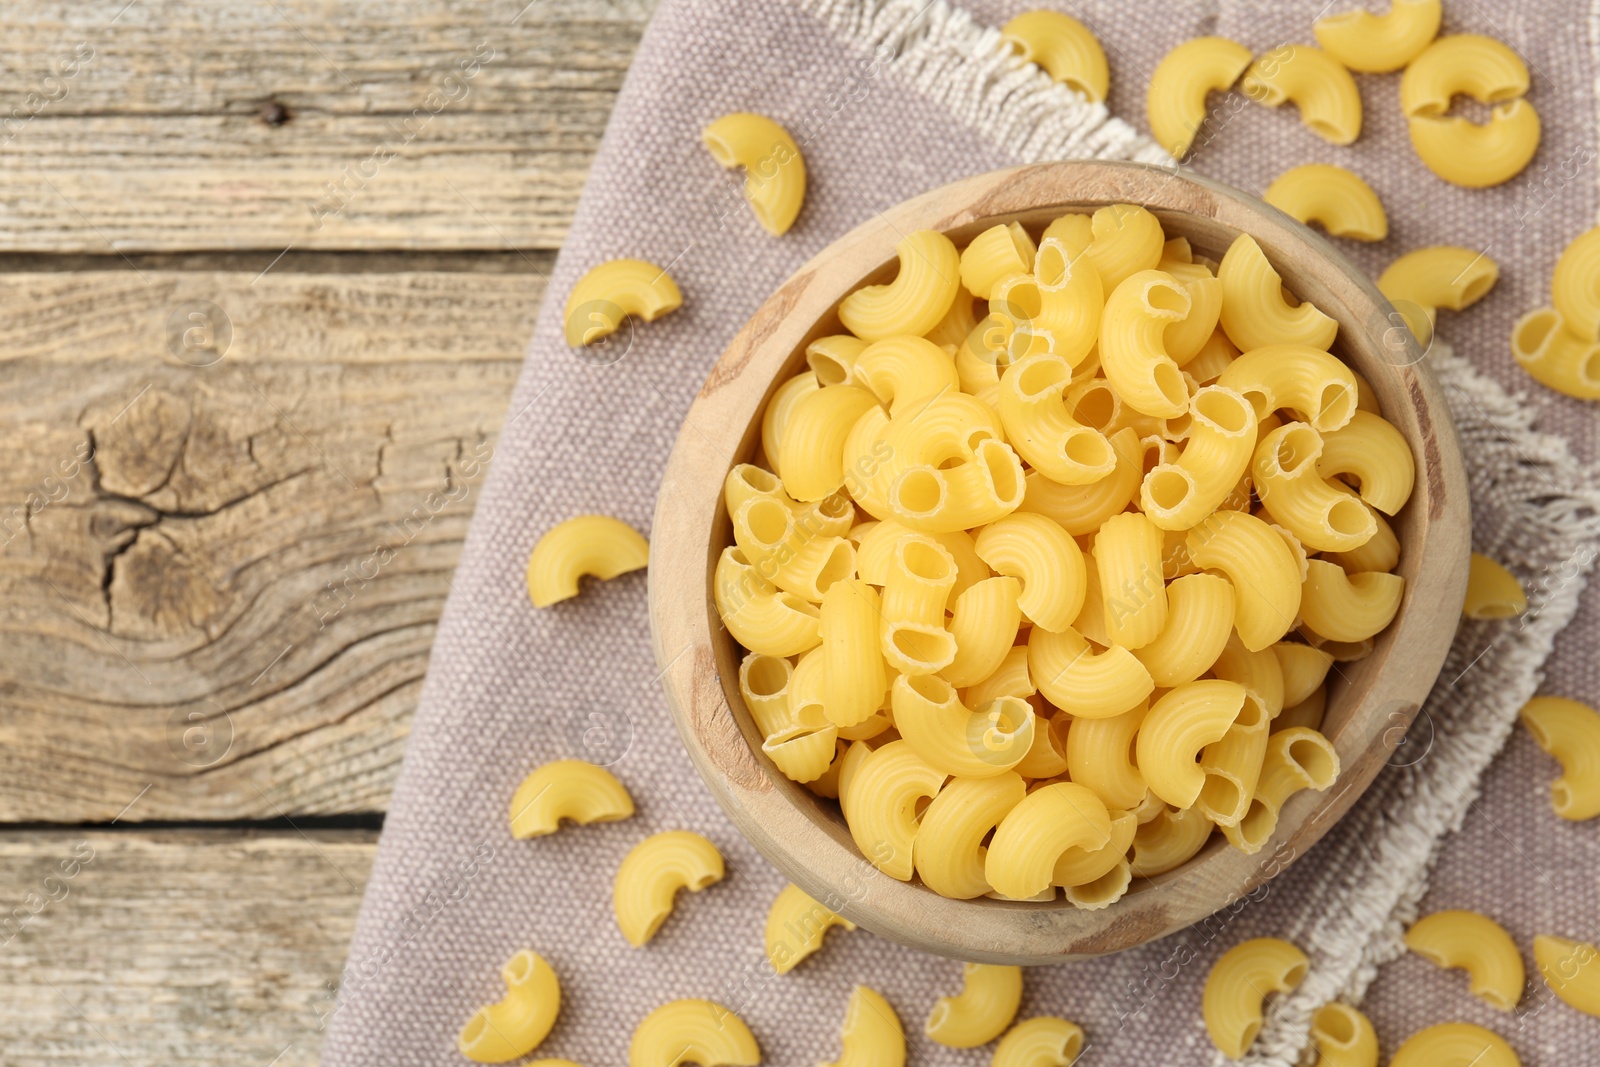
(221, 581)
(174, 947)
(192, 125)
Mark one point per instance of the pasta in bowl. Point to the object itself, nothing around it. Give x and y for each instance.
(1072, 531)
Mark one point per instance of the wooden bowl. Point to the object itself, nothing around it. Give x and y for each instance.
(806, 837)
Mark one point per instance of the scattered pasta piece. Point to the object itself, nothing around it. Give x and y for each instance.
(1254, 311)
(651, 875)
(594, 545)
(981, 1011)
(700, 1032)
(1455, 1045)
(1065, 48)
(1378, 44)
(1455, 149)
(1237, 987)
(1343, 1037)
(513, 1027)
(1296, 758)
(1570, 732)
(1443, 276)
(775, 172)
(795, 927)
(1476, 944)
(1042, 1042)
(614, 290)
(567, 789)
(1323, 90)
(1492, 591)
(1334, 198)
(1176, 101)
(920, 295)
(1570, 970)
(1464, 64)
(872, 1035)
(1575, 285)
(1556, 357)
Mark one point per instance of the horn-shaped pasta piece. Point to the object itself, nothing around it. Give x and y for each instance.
(1254, 311)
(1216, 454)
(1571, 969)
(1441, 276)
(1554, 356)
(811, 453)
(953, 739)
(1185, 339)
(1238, 985)
(902, 370)
(1081, 866)
(1071, 299)
(1082, 682)
(651, 874)
(1300, 498)
(1304, 669)
(775, 172)
(1333, 197)
(1343, 1036)
(1474, 155)
(1476, 944)
(1176, 100)
(515, 1025)
(1348, 607)
(950, 852)
(987, 1003)
(984, 622)
(1033, 408)
(1265, 574)
(1133, 346)
(1169, 840)
(1570, 732)
(998, 253)
(916, 589)
(1454, 1045)
(833, 358)
(595, 545)
(1081, 509)
(854, 677)
(1296, 758)
(1049, 564)
(1199, 620)
(1462, 64)
(757, 614)
(1045, 1041)
(880, 797)
(921, 293)
(1575, 285)
(872, 1035)
(1128, 554)
(700, 1032)
(1315, 82)
(1126, 239)
(775, 419)
(567, 789)
(1175, 731)
(1378, 44)
(1065, 48)
(795, 927)
(1492, 591)
(1232, 765)
(612, 291)
(1100, 756)
(1034, 834)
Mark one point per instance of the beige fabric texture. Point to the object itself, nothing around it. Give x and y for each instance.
(890, 98)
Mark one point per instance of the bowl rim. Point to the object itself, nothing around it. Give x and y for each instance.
(790, 826)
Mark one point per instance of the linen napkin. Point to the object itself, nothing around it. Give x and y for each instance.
(890, 98)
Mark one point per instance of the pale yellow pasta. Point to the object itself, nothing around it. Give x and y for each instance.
(1128, 555)
(1308, 713)
(1213, 358)
(795, 927)
(872, 1035)
(1304, 669)
(567, 789)
(1235, 993)
(1099, 755)
(1296, 758)
(954, 739)
(1264, 572)
(757, 614)
(775, 418)
(1085, 683)
(1127, 239)
(1065, 48)
(789, 547)
(1045, 1041)
(1071, 299)
(611, 291)
(1299, 497)
(1185, 339)
(1348, 607)
(1343, 1036)
(953, 330)
(994, 255)
(595, 545)
(1258, 671)
(1454, 1045)
(880, 804)
(981, 487)
(1378, 44)
(1199, 620)
(921, 293)
(1380, 553)
(1304, 379)
(1081, 509)
(764, 683)
(1075, 231)
(1047, 758)
(1039, 425)
(1462, 64)
(746, 481)
(900, 371)
(1037, 552)
(1175, 730)
(828, 784)
(1168, 840)
(1441, 276)
(515, 1025)
(651, 875)
(1333, 197)
(949, 849)
(1570, 732)
(811, 450)
(854, 677)
(1232, 765)
(988, 1001)
(1477, 155)
(700, 1032)
(1492, 591)
(1010, 679)
(832, 359)
(1033, 836)
(1254, 311)
(1570, 970)
(1575, 285)
(1216, 454)
(1312, 80)
(878, 544)
(917, 587)
(802, 743)
(1554, 356)
(1476, 944)
(1079, 866)
(775, 172)
(1176, 100)
(983, 623)
(1132, 344)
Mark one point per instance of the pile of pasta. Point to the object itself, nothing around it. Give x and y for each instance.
(1051, 553)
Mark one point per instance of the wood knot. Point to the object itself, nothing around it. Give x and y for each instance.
(274, 114)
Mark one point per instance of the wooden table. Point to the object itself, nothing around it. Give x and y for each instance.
(267, 268)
